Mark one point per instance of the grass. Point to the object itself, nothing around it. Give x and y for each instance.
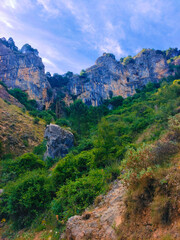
(17, 131)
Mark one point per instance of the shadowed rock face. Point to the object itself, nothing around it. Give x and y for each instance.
(23, 69)
(59, 141)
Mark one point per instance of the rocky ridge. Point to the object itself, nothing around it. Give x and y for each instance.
(105, 79)
(109, 77)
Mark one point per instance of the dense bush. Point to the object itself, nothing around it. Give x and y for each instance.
(23, 98)
(47, 115)
(23, 200)
(40, 149)
(76, 196)
(128, 60)
(12, 168)
(72, 167)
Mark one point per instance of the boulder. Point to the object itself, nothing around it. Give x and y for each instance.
(59, 141)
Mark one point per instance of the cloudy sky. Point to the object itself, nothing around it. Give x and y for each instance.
(71, 34)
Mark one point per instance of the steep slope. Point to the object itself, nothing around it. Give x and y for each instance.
(144, 204)
(23, 69)
(18, 133)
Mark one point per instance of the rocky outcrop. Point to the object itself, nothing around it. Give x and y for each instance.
(101, 222)
(59, 141)
(23, 69)
(109, 77)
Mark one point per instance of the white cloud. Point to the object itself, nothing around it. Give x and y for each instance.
(49, 7)
(9, 3)
(111, 46)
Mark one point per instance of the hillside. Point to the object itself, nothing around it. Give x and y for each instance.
(136, 140)
(18, 132)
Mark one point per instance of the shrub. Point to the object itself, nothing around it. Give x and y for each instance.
(24, 199)
(76, 196)
(36, 120)
(128, 60)
(40, 149)
(1, 150)
(11, 169)
(72, 167)
(160, 210)
(63, 122)
(23, 98)
(83, 73)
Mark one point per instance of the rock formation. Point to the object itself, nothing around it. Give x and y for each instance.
(59, 141)
(109, 77)
(23, 69)
(101, 222)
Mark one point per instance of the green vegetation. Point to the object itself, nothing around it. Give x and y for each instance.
(108, 143)
(83, 73)
(76, 196)
(128, 60)
(24, 199)
(22, 97)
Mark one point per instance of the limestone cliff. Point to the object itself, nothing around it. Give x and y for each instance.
(23, 69)
(109, 77)
(105, 79)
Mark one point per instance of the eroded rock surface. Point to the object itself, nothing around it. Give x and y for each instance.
(109, 77)
(100, 223)
(59, 141)
(23, 69)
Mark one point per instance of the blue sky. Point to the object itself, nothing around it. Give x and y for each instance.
(71, 34)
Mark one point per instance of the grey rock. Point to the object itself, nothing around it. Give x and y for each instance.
(24, 70)
(109, 77)
(59, 141)
(28, 49)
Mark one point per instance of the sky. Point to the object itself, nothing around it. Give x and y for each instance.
(71, 34)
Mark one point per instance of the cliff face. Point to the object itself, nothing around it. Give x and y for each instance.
(23, 69)
(109, 77)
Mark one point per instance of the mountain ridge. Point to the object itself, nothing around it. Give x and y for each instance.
(107, 78)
